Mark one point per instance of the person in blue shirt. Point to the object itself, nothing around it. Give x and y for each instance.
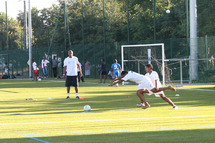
(115, 70)
(103, 70)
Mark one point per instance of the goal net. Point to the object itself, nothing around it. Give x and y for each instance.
(135, 57)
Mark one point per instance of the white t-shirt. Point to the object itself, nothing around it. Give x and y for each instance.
(71, 64)
(80, 67)
(154, 76)
(44, 63)
(135, 77)
(34, 66)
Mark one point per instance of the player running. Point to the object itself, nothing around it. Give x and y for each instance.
(115, 70)
(70, 72)
(153, 75)
(144, 83)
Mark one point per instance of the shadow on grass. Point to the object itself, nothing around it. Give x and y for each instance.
(8, 91)
(173, 136)
(40, 84)
(103, 101)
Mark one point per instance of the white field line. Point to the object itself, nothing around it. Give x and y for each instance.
(106, 120)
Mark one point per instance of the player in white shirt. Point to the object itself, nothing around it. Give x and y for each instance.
(70, 72)
(44, 66)
(35, 69)
(143, 82)
(153, 75)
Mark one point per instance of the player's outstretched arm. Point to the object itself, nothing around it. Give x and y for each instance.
(64, 72)
(79, 67)
(116, 81)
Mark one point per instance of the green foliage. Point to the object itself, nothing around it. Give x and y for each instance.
(88, 25)
(14, 33)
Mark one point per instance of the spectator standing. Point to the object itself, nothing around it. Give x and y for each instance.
(103, 70)
(45, 66)
(35, 69)
(87, 68)
(79, 77)
(55, 66)
(6, 69)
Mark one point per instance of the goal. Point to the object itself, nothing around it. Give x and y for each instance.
(134, 57)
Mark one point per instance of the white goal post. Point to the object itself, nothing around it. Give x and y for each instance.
(145, 45)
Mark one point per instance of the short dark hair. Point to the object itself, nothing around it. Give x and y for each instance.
(149, 66)
(124, 72)
(103, 60)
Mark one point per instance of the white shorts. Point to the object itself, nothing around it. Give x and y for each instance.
(146, 84)
(6, 71)
(156, 94)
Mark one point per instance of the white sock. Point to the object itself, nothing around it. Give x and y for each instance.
(76, 94)
(67, 94)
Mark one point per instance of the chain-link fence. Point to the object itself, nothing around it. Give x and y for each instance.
(176, 50)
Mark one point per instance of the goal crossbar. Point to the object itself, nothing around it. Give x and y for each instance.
(145, 45)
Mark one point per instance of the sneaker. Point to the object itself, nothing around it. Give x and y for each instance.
(175, 107)
(145, 106)
(77, 97)
(139, 105)
(67, 97)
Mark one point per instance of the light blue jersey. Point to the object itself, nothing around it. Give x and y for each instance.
(115, 67)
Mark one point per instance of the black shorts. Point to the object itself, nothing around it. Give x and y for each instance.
(103, 73)
(71, 81)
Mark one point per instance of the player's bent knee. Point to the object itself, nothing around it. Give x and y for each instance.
(162, 96)
(139, 92)
(154, 90)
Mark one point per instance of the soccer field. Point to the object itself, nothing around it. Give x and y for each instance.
(113, 118)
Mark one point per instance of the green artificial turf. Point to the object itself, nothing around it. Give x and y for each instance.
(113, 118)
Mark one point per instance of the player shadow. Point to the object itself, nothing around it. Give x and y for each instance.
(112, 99)
(138, 136)
(42, 84)
(8, 91)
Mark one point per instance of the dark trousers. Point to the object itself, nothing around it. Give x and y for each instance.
(80, 78)
(55, 71)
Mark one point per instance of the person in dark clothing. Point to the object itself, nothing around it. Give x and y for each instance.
(79, 77)
(54, 66)
(103, 70)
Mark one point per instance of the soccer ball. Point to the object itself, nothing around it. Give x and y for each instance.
(87, 108)
(39, 79)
